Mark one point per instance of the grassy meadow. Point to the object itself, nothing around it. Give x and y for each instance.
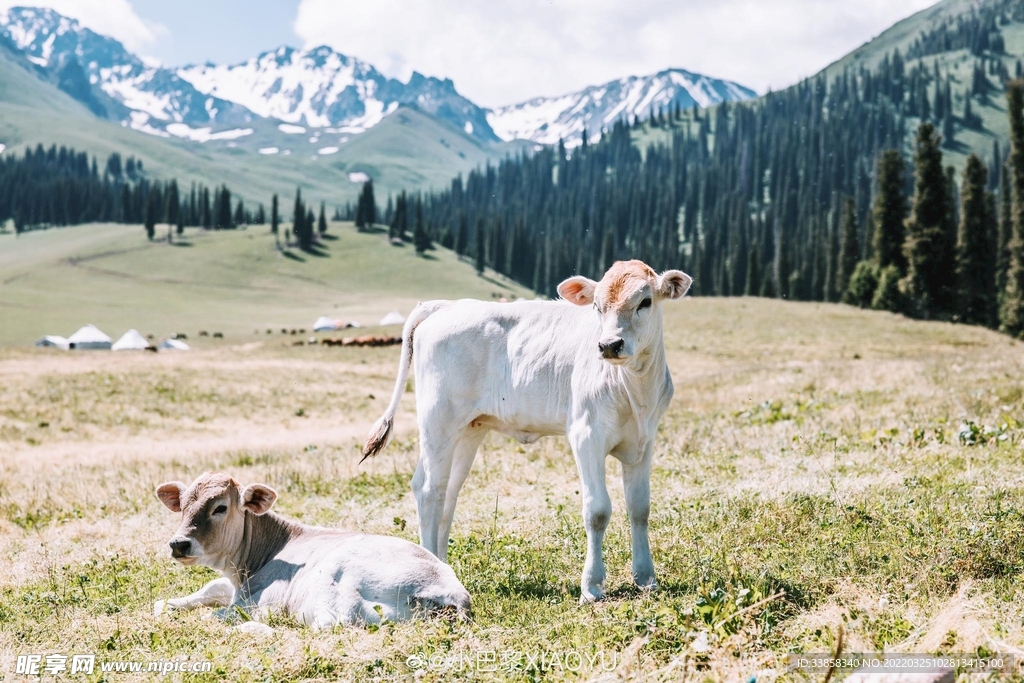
(820, 468)
(234, 281)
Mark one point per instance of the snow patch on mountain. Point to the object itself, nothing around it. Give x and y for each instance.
(290, 129)
(183, 130)
(138, 120)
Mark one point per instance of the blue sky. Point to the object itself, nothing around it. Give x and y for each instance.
(220, 31)
(505, 51)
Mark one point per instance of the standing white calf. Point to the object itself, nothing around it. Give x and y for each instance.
(591, 367)
(320, 576)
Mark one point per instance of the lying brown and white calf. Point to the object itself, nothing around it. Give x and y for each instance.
(320, 576)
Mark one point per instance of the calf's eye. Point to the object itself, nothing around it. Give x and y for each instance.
(646, 303)
(220, 509)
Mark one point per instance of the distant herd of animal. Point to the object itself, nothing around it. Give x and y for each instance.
(590, 366)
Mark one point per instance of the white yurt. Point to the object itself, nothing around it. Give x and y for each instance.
(393, 318)
(131, 341)
(53, 341)
(173, 345)
(89, 337)
(325, 324)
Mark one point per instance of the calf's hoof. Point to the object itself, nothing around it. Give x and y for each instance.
(591, 594)
(646, 583)
(159, 607)
(254, 627)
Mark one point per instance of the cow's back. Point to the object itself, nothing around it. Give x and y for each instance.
(338, 573)
(511, 364)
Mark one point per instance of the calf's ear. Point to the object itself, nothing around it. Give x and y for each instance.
(170, 495)
(673, 284)
(258, 498)
(578, 290)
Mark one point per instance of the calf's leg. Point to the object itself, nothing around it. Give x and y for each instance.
(462, 463)
(636, 484)
(217, 593)
(597, 508)
(430, 482)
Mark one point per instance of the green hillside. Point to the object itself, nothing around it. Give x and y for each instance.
(408, 150)
(54, 281)
(959, 63)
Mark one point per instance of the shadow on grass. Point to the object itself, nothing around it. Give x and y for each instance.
(957, 146)
(329, 238)
(294, 257)
(181, 244)
(314, 250)
(428, 257)
(494, 282)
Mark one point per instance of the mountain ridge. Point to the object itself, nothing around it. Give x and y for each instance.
(320, 88)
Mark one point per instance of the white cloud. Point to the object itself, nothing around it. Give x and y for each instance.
(114, 18)
(504, 51)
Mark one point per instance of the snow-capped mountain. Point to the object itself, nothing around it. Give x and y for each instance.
(318, 89)
(321, 88)
(548, 119)
(137, 93)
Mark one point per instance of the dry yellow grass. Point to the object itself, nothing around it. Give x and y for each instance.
(810, 449)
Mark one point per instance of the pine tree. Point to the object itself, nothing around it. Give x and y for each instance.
(366, 209)
(849, 250)
(1011, 313)
(481, 246)
(420, 237)
(930, 238)
(887, 294)
(322, 222)
(275, 217)
(298, 215)
(1004, 231)
(181, 223)
(462, 235)
(397, 228)
(206, 211)
(975, 251)
(308, 225)
(863, 285)
(890, 211)
(151, 215)
(172, 210)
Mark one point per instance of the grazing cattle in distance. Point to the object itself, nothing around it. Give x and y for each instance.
(179, 335)
(322, 577)
(218, 335)
(204, 333)
(591, 366)
(367, 340)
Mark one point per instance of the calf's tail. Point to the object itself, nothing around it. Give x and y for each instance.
(380, 434)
